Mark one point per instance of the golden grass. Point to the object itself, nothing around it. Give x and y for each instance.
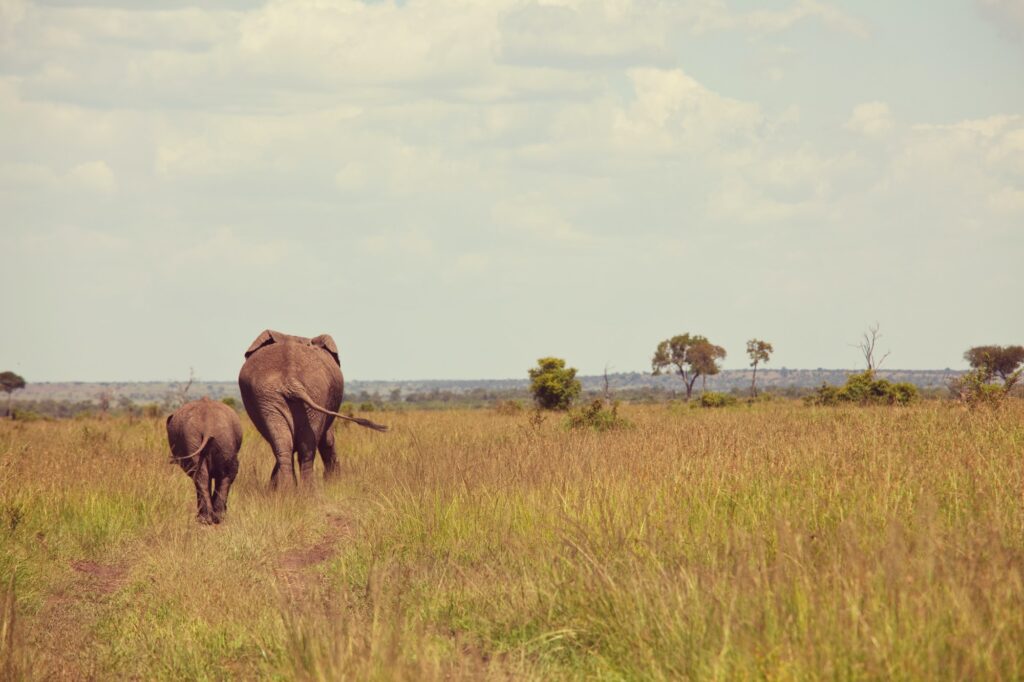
(777, 541)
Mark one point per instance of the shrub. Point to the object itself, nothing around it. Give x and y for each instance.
(554, 385)
(598, 416)
(230, 402)
(21, 415)
(975, 388)
(864, 389)
(715, 399)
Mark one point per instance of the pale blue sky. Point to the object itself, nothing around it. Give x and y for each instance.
(453, 188)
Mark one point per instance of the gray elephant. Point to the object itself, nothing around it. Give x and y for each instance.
(292, 388)
(205, 436)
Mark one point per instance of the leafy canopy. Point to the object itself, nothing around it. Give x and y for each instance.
(759, 351)
(9, 382)
(687, 353)
(554, 385)
(996, 360)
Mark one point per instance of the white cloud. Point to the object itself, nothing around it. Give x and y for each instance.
(530, 214)
(1007, 201)
(1007, 15)
(714, 15)
(671, 109)
(224, 248)
(872, 119)
(412, 242)
(94, 176)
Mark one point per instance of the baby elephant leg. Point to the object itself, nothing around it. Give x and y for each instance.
(222, 488)
(201, 479)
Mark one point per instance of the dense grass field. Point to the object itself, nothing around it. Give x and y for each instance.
(775, 541)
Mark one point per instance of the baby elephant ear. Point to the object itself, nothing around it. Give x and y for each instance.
(266, 338)
(327, 343)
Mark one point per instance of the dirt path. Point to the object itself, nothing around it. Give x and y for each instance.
(291, 566)
(61, 643)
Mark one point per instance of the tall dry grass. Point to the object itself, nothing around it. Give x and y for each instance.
(776, 541)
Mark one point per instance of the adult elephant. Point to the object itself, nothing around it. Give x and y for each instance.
(292, 388)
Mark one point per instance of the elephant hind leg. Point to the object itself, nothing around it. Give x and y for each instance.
(201, 479)
(282, 445)
(285, 461)
(223, 487)
(307, 455)
(328, 453)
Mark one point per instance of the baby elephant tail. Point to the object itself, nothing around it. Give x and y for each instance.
(206, 439)
(300, 393)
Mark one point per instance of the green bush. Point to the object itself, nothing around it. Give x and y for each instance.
(715, 399)
(975, 388)
(554, 386)
(864, 389)
(598, 416)
(21, 415)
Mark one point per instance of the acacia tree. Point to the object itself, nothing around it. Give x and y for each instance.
(554, 385)
(9, 383)
(759, 351)
(1001, 361)
(689, 356)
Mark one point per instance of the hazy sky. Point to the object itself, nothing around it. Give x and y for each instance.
(453, 188)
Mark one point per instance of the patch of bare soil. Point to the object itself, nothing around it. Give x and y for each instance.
(102, 579)
(60, 627)
(291, 565)
(339, 528)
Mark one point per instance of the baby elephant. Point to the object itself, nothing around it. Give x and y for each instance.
(205, 436)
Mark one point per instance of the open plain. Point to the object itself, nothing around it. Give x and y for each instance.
(769, 541)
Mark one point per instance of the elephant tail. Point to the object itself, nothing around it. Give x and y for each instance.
(300, 393)
(206, 440)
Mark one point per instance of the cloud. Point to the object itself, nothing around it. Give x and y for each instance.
(871, 119)
(670, 109)
(94, 176)
(1007, 15)
(583, 35)
(530, 214)
(410, 242)
(714, 15)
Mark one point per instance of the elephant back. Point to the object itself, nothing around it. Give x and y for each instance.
(269, 372)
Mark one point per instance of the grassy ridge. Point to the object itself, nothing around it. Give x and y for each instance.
(778, 541)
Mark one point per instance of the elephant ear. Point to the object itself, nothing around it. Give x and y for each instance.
(268, 337)
(327, 343)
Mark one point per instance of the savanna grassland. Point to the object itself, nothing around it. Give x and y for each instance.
(776, 541)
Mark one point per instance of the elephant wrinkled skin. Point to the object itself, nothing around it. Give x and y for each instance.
(292, 388)
(205, 436)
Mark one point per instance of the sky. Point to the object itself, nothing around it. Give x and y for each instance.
(454, 188)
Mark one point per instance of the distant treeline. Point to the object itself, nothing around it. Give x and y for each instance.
(396, 400)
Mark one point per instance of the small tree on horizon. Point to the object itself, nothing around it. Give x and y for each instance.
(9, 383)
(1001, 361)
(867, 346)
(689, 356)
(554, 385)
(759, 351)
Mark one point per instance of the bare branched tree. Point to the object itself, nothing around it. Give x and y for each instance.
(180, 394)
(868, 345)
(607, 390)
